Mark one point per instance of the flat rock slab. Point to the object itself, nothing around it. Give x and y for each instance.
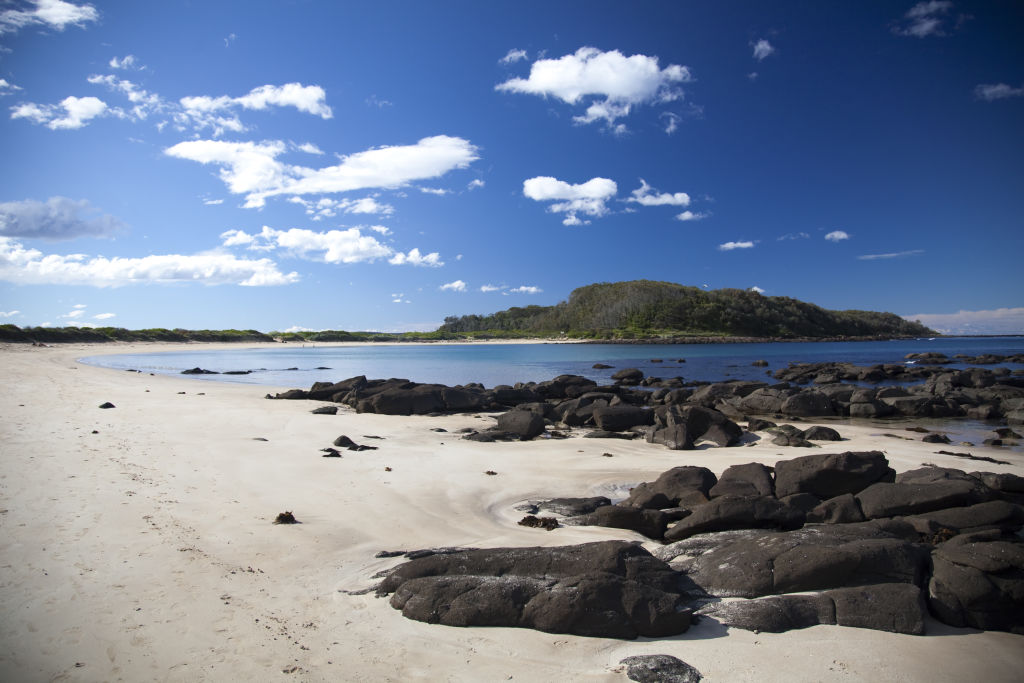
(611, 589)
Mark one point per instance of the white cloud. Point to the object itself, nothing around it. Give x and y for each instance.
(77, 313)
(457, 286)
(54, 14)
(587, 198)
(997, 91)
(997, 321)
(374, 101)
(794, 236)
(642, 196)
(325, 207)
(72, 112)
(474, 184)
(513, 56)
(615, 82)
(415, 258)
(310, 148)
(671, 122)
(213, 202)
(492, 288)
(9, 314)
(526, 289)
(58, 218)
(837, 236)
(763, 49)
(31, 267)
(253, 169)
(898, 254)
(104, 316)
(236, 238)
(757, 289)
(305, 98)
(7, 88)
(691, 216)
(440, 192)
(925, 19)
(729, 246)
(79, 306)
(383, 230)
(126, 62)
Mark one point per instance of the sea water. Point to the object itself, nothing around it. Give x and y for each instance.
(299, 365)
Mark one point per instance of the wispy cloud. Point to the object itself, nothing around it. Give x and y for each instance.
(644, 197)
(7, 88)
(896, 254)
(128, 62)
(58, 218)
(526, 289)
(762, 50)
(33, 267)
(996, 321)
(794, 236)
(9, 314)
(686, 216)
(330, 246)
(513, 56)
(610, 83)
(925, 19)
(997, 91)
(729, 246)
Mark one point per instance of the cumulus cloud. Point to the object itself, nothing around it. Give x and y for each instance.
(126, 62)
(513, 56)
(643, 196)
(52, 14)
(837, 236)
(526, 289)
(896, 254)
(254, 170)
(757, 289)
(997, 91)
(763, 49)
(997, 321)
(610, 83)
(32, 267)
(457, 286)
(72, 112)
(216, 112)
(58, 218)
(588, 198)
(691, 216)
(330, 246)
(925, 19)
(729, 246)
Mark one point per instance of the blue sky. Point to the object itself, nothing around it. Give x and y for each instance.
(343, 165)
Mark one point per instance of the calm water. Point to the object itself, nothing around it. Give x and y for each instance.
(493, 364)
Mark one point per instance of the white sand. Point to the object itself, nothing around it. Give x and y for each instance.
(146, 551)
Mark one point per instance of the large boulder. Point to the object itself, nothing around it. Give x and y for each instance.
(659, 669)
(885, 499)
(621, 417)
(649, 522)
(734, 512)
(994, 514)
(685, 486)
(753, 563)
(978, 581)
(751, 479)
(523, 423)
(830, 475)
(893, 607)
(628, 376)
(808, 403)
(611, 589)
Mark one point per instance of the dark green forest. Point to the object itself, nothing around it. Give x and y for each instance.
(643, 308)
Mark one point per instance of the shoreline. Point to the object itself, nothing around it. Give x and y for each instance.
(145, 551)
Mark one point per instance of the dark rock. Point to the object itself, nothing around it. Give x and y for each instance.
(808, 404)
(978, 581)
(888, 500)
(893, 607)
(107, 405)
(628, 376)
(686, 483)
(330, 453)
(819, 433)
(651, 523)
(325, 410)
(994, 514)
(345, 442)
(524, 424)
(286, 518)
(842, 509)
(546, 523)
(199, 371)
(830, 475)
(752, 479)
(620, 418)
(936, 438)
(759, 425)
(601, 434)
(659, 669)
(732, 512)
(601, 366)
(792, 440)
(802, 501)
(571, 507)
(611, 589)
(760, 364)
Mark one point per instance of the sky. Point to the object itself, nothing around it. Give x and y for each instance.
(280, 165)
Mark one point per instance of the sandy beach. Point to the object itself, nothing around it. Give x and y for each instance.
(137, 541)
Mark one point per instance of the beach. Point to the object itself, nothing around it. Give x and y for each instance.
(138, 540)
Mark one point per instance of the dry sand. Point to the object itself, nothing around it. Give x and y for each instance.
(137, 542)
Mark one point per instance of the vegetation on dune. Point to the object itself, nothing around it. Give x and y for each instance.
(643, 308)
(640, 309)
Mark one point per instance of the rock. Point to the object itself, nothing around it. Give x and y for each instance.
(830, 475)
(936, 438)
(571, 507)
(601, 434)
(978, 581)
(839, 510)
(753, 563)
(325, 410)
(286, 518)
(611, 589)
(752, 479)
(808, 404)
(733, 512)
(760, 364)
(651, 523)
(620, 418)
(888, 500)
(546, 523)
(819, 433)
(686, 483)
(199, 371)
(659, 669)
(524, 424)
(893, 607)
(759, 425)
(107, 405)
(995, 514)
(792, 440)
(601, 366)
(628, 376)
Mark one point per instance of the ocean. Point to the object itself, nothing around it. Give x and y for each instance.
(299, 365)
